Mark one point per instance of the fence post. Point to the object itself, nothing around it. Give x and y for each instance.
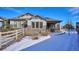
(0, 40)
(16, 35)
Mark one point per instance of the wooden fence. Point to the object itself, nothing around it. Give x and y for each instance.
(7, 37)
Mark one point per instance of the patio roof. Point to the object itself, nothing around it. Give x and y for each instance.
(53, 21)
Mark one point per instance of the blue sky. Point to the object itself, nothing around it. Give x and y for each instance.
(60, 13)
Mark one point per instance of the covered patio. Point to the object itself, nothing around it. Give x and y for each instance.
(53, 25)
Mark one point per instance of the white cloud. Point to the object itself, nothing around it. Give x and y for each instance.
(75, 17)
(74, 10)
(12, 9)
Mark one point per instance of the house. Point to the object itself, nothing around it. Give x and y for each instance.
(34, 22)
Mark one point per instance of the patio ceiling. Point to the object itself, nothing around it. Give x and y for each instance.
(53, 21)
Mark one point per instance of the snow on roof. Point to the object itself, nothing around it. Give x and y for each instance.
(1, 19)
(33, 16)
(25, 14)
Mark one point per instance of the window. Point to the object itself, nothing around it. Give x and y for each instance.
(37, 24)
(41, 24)
(33, 24)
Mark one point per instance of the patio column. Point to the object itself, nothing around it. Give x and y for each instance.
(14, 24)
(58, 26)
(18, 24)
(22, 22)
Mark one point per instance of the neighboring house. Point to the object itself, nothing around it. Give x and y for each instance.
(30, 21)
(2, 22)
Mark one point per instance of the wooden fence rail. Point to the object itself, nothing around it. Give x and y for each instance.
(7, 37)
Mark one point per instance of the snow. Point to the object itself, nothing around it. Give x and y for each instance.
(25, 43)
(58, 41)
(65, 42)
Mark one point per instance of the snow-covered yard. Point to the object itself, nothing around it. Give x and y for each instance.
(25, 43)
(63, 42)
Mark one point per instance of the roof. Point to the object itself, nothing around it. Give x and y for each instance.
(25, 14)
(33, 16)
(53, 21)
(1, 19)
(48, 20)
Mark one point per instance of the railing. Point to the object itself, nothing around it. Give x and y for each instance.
(7, 37)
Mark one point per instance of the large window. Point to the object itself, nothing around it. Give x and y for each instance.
(41, 24)
(33, 24)
(37, 24)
